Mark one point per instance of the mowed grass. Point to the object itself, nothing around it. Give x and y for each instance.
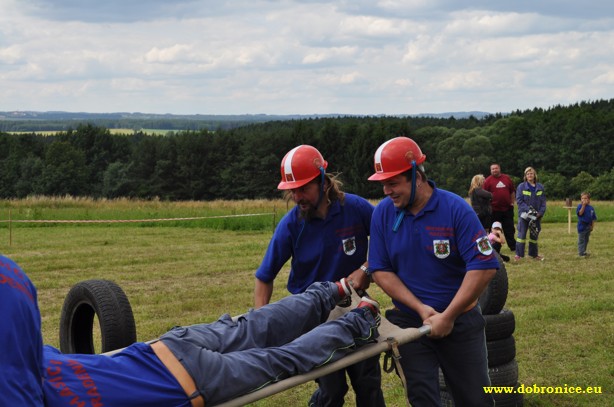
(178, 275)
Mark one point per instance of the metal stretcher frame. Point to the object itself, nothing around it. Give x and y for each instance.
(389, 334)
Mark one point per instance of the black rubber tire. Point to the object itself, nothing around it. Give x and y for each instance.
(442, 381)
(494, 296)
(104, 299)
(504, 375)
(501, 351)
(446, 399)
(500, 326)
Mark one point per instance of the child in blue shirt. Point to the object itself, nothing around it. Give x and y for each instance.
(586, 221)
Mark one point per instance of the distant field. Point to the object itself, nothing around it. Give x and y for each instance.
(112, 131)
(161, 132)
(42, 133)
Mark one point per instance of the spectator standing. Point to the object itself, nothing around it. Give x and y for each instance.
(531, 199)
(586, 221)
(430, 254)
(503, 196)
(481, 200)
(326, 237)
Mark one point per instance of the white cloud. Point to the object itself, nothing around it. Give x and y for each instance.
(495, 24)
(175, 53)
(263, 56)
(368, 26)
(606, 78)
(464, 80)
(423, 49)
(11, 55)
(338, 54)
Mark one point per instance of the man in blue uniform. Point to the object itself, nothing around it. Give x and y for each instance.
(21, 358)
(430, 254)
(192, 366)
(326, 237)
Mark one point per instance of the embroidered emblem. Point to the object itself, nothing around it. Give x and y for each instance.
(484, 245)
(349, 245)
(441, 248)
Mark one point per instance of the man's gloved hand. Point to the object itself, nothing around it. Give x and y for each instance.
(524, 215)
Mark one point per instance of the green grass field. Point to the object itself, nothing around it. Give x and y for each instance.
(175, 274)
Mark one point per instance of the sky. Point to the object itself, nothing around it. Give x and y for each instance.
(351, 57)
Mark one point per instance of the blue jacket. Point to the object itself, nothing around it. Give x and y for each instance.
(527, 196)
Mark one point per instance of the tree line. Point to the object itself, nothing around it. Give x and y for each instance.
(569, 146)
(30, 121)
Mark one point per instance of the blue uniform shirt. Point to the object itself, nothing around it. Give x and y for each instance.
(588, 217)
(132, 377)
(21, 357)
(431, 251)
(321, 249)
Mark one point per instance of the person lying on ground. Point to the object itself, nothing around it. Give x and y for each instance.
(208, 364)
(198, 365)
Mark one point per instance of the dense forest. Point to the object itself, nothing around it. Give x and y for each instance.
(571, 148)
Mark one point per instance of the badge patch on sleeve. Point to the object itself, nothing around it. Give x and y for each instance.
(484, 246)
(441, 248)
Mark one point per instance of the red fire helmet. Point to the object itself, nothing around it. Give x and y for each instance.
(301, 165)
(394, 157)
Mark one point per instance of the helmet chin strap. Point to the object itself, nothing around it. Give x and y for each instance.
(412, 197)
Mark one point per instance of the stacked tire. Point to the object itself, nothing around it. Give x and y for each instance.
(500, 343)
